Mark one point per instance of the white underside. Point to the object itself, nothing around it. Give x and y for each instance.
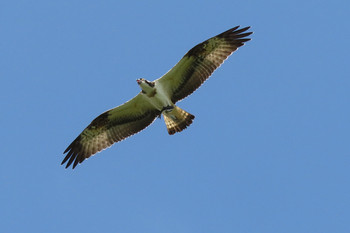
(160, 99)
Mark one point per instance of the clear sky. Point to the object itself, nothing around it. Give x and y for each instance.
(268, 150)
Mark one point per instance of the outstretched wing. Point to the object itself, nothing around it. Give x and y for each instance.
(200, 62)
(110, 127)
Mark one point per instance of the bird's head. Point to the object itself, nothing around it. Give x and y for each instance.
(145, 85)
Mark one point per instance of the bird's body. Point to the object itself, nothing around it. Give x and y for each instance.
(154, 93)
(157, 98)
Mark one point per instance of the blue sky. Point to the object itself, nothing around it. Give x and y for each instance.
(268, 150)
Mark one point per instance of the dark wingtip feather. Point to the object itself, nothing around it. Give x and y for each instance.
(236, 35)
(239, 33)
(243, 35)
(67, 149)
(75, 163)
(70, 161)
(72, 154)
(65, 159)
(234, 31)
(234, 28)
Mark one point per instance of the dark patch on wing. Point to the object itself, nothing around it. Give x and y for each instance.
(196, 50)
(100, 121)
(187, 75)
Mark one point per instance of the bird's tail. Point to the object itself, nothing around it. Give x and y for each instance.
(177, 119)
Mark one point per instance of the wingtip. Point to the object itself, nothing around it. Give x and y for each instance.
(234, 28)
(240, 30)
(243, 34)
(75, 163)
(63, 162)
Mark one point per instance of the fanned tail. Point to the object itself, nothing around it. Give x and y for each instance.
(177, 119)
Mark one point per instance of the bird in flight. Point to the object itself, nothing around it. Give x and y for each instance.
(157, 98)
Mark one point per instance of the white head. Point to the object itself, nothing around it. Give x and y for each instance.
(146, 86)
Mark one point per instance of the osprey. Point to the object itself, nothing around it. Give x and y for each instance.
(157, 98)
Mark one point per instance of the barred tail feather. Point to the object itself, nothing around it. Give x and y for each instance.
(177, 120)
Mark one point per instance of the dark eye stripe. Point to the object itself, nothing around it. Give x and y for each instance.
(151, 84)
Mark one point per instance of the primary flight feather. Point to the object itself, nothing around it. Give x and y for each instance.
(157, 98)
